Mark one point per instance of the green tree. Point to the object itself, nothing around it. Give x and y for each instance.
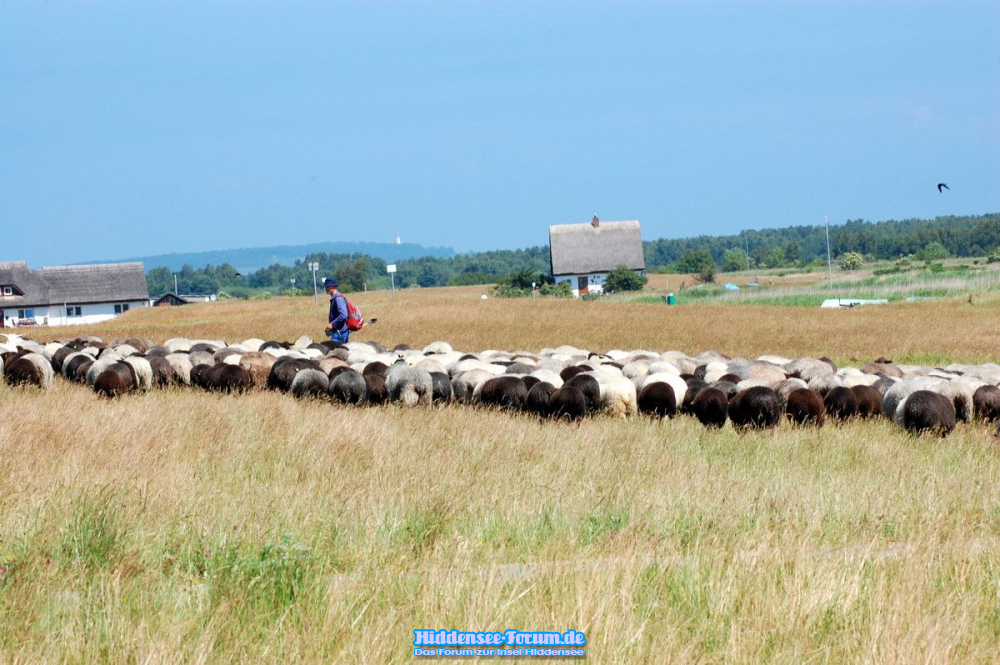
(933, 251)
(623, 279)
(851, 261)
(353, 276)
(734, 260)
(692, 261)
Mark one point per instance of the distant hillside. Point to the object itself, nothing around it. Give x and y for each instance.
(250, 259)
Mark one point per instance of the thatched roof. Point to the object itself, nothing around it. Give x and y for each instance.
(579, 249)
(112, 282)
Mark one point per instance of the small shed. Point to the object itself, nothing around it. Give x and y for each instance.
(582, 255)
(171, 299)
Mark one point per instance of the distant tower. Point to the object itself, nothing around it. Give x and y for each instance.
(398, 241)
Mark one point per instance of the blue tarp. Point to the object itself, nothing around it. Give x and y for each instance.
(731, 287)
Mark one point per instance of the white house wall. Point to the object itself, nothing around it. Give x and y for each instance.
(54, 315)
(595, 281)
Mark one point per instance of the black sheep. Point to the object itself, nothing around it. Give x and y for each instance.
(657, 399)
(283, 372)
(926, 411)
(711, 407)
(506, 392)
(840, 403)
(441, 392)
(227, 378)
(74, 363)
(530, 381)
(986, 403)
(567, 402)
(695, 386)
(537, 400)
(590, 388)
(756, 408)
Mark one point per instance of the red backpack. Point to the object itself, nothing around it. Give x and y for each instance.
(355, 320)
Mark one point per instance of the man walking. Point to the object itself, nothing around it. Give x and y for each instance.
(337, 327)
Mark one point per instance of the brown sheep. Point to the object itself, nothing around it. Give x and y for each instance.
(258, 366)
(805, 407)
(117, 379)
(869, 401)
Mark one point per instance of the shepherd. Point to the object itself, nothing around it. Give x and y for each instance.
(337, 327)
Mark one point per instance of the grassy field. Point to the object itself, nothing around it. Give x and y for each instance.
(181, 526)
(951, 279)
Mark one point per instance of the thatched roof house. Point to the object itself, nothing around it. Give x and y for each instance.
(48, 293)
(598, 247)
(582, 255)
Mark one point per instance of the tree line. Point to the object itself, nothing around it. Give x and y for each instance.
(767, 248)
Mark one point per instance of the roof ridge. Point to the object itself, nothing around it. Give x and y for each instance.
(95, 266)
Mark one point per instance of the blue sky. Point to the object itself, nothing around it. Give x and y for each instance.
(132, 128)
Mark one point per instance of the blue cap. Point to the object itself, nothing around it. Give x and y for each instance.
(329, 281)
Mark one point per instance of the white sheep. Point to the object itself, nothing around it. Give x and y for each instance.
(410, 385)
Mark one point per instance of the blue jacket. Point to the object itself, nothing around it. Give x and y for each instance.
(338, 312)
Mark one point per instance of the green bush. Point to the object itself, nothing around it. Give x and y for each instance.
(993, 256)
(623, 279)
(508, 291)
(560, 290)
(851, 261)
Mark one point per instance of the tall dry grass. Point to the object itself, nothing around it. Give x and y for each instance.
(182, 526)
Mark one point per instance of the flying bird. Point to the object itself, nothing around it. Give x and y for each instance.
(942, 187)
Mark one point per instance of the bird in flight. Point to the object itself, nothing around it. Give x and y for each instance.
(942, 187)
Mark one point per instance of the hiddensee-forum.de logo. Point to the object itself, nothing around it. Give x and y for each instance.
(506, 644)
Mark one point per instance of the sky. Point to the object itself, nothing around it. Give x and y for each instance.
(133, 128)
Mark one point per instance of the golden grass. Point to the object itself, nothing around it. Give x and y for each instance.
(181, 526)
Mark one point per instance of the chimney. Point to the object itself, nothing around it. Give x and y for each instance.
(595, 222)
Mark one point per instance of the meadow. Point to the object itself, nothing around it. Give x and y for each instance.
(182, 526)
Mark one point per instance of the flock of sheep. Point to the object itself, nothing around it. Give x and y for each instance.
(562, 383)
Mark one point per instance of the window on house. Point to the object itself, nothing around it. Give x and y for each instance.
(7, 291)
(120, 308)
(74, 311)
(25, 313)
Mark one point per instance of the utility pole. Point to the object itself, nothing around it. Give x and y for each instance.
(175, 284)
(292, 280)
(829, 259)
(746, 239)
(314, 267)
